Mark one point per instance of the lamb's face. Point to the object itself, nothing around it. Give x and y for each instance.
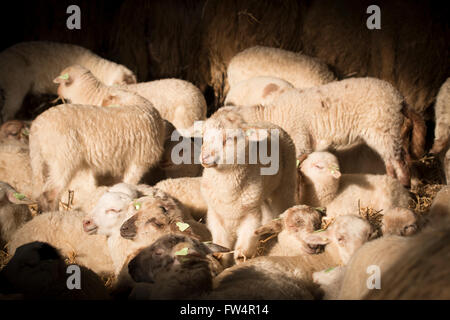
(153, 216)
(71, 82)
(299, 222)
(320, 167)
(108, 215)
(347, 233)
(399, 221)
(15, 130)
(174, 261)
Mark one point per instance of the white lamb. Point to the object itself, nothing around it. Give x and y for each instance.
(235, 189)
(31, 67)
(300, 70)
(14, 212)
(257, 90)
(178, 101)
(122, 142)
(322, 185)
(344, 113)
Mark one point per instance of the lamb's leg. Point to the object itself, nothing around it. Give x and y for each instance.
(247, 240)
(59, 178)
(220, 235)
(134, 173)
(390, 149)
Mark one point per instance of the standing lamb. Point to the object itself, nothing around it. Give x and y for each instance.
(122, 142)
(300, 70)
(235, 210)
(257, 90)
(344, 113)
(32, 66)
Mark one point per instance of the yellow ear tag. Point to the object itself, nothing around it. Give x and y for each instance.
(182, 252)
(19, 196)
(330, 269)
(64, 76)
(137, 205)
(182, 226)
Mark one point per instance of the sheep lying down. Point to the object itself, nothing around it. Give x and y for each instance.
(31, 67)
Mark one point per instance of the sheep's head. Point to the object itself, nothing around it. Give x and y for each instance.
(399, 221)
(15, 130)
(109, 213)
(347, 233)
(34, 267)
(227, 138)
(72, 83)
(153, 217)
(174, 262)
(294, 225)
(320, 166)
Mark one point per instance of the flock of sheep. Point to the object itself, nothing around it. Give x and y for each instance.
(94, 182)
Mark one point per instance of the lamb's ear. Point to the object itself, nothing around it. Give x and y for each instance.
(293, 220)
(214, 248)
(274, 226)
(300, 159)
(63, 78)
(318, 238)
(109, 100)
(17, 198)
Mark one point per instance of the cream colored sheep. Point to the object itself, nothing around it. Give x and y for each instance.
(235, 189)
(410, 268)
(344, 113)
(257, 90)
(188, 192)
(122, 142)
(300, 70)
(37, 271)
(178, 101)
(14, 212)
(291, 277)
(292, 227)
(64, 231)
(31, 67)
(442, 115)
(322, 185)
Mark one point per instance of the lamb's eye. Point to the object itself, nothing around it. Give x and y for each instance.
(164, 209)
(110, 211)
(318, 166)
(341, 238)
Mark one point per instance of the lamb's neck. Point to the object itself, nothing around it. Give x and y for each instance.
(94, 91)
(317, 194)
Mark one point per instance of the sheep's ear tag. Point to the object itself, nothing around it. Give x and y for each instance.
(19, 196)
(182, 252)
(26, 132)
(330, 269)
(297, 163)
(320, 210)
(137, 205)
(64, 76)
(182, 226)
(320, 230)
